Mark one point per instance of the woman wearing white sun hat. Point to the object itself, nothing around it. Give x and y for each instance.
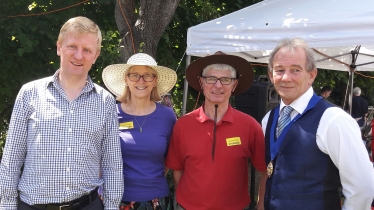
(145, 128)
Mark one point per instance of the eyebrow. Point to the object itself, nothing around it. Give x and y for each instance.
(141, 74)
(293, 65)
(88, 48)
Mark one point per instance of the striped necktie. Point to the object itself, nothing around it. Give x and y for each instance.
(284, 120)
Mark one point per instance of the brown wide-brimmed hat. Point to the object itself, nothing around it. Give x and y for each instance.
(244, 71)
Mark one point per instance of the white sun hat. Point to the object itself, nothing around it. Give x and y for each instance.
(114, 75)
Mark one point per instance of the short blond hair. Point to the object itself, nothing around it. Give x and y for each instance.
(80, 25)
(126, 96)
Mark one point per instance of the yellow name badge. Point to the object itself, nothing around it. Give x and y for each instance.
(126, 125)
(233, 141)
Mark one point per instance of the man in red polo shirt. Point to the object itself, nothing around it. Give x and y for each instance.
(210, 146)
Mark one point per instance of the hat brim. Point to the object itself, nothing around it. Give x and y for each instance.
(244, 71)
(114, 78)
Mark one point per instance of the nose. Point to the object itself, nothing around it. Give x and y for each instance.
(141, 79)
(79, 54)
(218, 83)
(286, 76)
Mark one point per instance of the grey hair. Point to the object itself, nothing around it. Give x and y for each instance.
(220, 67)
(291, 44)
(357, 91)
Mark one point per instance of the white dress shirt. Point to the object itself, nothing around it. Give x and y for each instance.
(339, 136)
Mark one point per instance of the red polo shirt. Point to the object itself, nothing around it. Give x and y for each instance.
(223, 183)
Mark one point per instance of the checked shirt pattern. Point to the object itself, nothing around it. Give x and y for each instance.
(63, 145)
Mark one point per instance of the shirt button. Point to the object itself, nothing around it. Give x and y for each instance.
(277, 168)
(67, 169)
(69, 149)
(71, 111)
(67, 188)
(70, 130)
(272, 197)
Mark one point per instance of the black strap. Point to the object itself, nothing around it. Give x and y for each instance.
(72, 205)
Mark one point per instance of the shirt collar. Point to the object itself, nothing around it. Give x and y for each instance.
(53, 80)
(301, 103)
(228, 116)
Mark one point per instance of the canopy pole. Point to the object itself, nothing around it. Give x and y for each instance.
(185, 89)
(352, 67)
(351, 77)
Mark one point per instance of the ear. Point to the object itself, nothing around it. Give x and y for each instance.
(58, 48)
(270, 74)
(313, 75)
(97, 55)
(201, 83)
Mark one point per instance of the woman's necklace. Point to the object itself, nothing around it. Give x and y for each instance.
(140, 127)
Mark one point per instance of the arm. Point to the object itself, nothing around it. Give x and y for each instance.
(172, 121)
(14, 153)
(177, 176)
(261, 191)
(340, 138)
(259, 159)
(174, 159)
(111, 160)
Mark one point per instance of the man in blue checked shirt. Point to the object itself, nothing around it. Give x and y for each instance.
(64, 131)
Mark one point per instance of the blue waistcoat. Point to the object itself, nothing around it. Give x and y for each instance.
(304, 177)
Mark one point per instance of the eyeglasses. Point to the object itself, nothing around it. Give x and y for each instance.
(213, 80)
(146, 77)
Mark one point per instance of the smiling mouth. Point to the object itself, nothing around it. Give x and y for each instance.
(141, 88)
(286, 87)
(76, 64)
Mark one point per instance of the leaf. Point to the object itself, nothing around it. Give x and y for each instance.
(21, 51)
(33, 27)
(29, 43)
(166, 37)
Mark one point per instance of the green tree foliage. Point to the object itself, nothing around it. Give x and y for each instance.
(338, 81)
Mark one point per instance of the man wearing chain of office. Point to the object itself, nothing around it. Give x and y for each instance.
(312, 149)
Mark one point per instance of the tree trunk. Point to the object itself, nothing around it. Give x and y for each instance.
(141, 31)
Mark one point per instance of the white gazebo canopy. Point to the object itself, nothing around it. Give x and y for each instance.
(340, 31)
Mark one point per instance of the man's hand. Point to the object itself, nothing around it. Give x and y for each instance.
(261, 191)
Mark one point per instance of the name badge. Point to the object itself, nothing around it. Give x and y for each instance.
(233, 141)
(126, 125)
